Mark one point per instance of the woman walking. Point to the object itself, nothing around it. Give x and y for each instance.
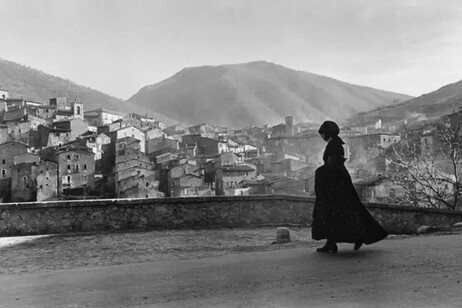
(339, 215)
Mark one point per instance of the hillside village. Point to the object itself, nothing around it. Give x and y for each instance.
(58, 151)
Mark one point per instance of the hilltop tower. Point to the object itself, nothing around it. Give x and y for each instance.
(289, 126)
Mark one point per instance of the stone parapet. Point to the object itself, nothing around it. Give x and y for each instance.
(194, 212)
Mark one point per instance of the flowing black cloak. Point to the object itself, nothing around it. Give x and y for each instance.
(339, 214)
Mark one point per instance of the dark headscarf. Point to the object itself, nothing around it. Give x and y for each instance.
(330, 129)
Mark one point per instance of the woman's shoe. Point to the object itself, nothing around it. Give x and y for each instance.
(357, 246)
(328, 248)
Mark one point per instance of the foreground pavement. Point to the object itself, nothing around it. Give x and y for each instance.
(412, 272)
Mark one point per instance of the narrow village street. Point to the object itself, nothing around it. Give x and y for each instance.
(420, 271)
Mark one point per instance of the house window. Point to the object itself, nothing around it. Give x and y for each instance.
(3, 172)
(147, 196)
(147, 184)
(76, 156)
(76, 168)
(68, 167)
(3, 161)
(84, 167)
(68, 179)
(68, 157)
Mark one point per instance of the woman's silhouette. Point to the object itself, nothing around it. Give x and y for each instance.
(339, 215)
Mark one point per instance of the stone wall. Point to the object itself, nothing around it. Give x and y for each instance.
(209, 212)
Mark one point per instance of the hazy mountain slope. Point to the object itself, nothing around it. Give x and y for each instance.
(34, 85)
(257, 93)
(432, 105)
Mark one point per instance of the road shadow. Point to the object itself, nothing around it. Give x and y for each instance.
(344, 254)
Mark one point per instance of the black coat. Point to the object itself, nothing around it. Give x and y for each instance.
(339, 214)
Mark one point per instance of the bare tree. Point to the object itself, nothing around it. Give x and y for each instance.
(429, 174)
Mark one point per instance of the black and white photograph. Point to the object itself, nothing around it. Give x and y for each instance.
(230, 153)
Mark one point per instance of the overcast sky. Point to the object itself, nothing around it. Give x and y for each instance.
(119, 46)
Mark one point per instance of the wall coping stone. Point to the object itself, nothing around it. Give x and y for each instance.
(412, 208)
(144, 201)
(195, 200)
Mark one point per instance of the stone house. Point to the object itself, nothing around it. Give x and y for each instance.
(187, 185)
(99, 117)
(76, 167)
(66, 110)
(131, 168)
(133, 132)
(177, 180)
(286, 165)
(128, 120)
(205, 146)
(288, 186)
(177, 129)
(100, 141)
(95, 142)
(54, 137)
(378, 190)
(7, 152)
(258, 186)
(46, 112)
(156, 144)
(26, 157)
(35, 181)
(23, 182)
(378, 140)
(17, 121)
(233, 176)
(109, 128)
(130, 162)
(203, 130)
(76, 127)
(4, 133)
(184, 168)
(47, 181)
(286, 129)
(19, 131)
(211, 164)
(36, 121)
(139, 186)
(152, 133)
(153, 124)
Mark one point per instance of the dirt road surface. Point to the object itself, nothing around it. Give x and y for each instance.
(424, 271)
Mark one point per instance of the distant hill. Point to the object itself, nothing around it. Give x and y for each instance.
(257, 93)
(426, 107)
(21, 81)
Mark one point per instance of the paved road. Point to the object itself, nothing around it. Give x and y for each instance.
(412, 272)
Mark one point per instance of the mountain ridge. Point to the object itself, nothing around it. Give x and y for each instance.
(257, 93)
(22, 81)
(432, 105)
